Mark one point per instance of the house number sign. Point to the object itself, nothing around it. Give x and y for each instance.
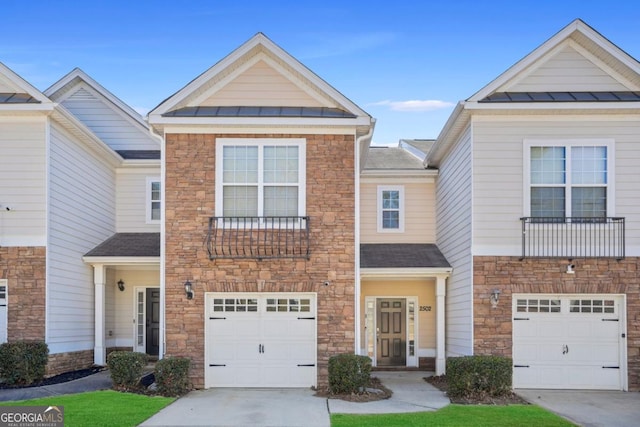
(425, 308)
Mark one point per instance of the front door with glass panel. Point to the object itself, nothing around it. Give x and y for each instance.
(147, 320)
(391, 332)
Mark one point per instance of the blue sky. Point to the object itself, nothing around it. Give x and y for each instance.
(404, 62)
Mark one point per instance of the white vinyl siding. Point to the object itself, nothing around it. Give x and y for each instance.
(261, 85)
(132, 200)
(23, 182)
(567, 70)
(82, 215)
(111, 125)
(419, 215)
(454, 230)
(499, 181)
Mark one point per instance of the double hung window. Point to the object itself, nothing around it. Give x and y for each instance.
(390, 208)
(260, 177)
(154, 200)
(569, 180)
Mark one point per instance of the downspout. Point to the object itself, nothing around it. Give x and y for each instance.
(358, 153)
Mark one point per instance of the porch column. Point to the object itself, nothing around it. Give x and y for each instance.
(441, 291)
(99, 348)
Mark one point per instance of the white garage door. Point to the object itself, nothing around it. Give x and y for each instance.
(260, 340)
(568, 342)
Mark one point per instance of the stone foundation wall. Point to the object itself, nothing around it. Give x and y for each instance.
(66, 362)
(25, 270)
(493, 327)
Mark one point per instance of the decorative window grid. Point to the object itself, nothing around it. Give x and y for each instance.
(239, 305)
(282, 305)
(538, 306)
(592, 306)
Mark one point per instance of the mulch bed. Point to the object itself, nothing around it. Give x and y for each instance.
(373, 392)
(58, 379)
(440, 382)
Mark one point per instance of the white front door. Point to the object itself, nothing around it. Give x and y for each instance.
(260, 340)
(3, 311)
(569, 342)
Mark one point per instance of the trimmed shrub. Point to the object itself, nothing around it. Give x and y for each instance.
(349, 373)
(479, 375)
(172, 376)
(126, 368)
(23, 362)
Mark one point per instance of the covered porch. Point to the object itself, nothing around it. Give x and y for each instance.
(402, 305)
(128, 296)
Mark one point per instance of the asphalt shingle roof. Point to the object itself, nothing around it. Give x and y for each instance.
(401, 255)
(128, 245)
(17, 98)
(391, 158)
(139, 154)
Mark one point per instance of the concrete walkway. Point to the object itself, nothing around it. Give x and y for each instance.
(589, 408)
(99, 381)
(294, 407)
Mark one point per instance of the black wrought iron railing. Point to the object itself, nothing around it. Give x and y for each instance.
(572, 237)
(258, 237)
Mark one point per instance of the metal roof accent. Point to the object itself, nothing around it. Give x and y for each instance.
(402, 255)
(128, 245)
(17, 98)
(562, 97)
(322, 112)
(139, 154)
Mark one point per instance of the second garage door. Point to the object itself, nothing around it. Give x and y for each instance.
(568, 342)
(260, 340)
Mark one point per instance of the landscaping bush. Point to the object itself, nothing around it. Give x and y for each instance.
(126, 368)
(474, 375)
(23, 362)
(172, 376)
(349, 373)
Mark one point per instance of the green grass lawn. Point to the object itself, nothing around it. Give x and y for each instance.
(458, 415)
(101, 408)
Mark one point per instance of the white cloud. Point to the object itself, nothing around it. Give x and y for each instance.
(415, 105)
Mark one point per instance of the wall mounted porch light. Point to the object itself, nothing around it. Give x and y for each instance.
(188, 289)
(494, 297)
(121, 285)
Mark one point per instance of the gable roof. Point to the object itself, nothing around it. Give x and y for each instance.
(208, 100)
(586, 41)
(18, 94)
(612, 82)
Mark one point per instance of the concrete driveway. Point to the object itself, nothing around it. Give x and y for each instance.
(589, 408)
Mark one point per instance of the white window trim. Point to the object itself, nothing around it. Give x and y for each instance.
(400, 190)
(148, 210)
(261, 142)
(5, 316)
(583, 142)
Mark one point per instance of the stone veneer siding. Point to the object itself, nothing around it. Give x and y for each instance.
(330, 204)
(66, 362)
(24, 267)
(493, 327)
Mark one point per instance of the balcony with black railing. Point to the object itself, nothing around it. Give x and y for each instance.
(572, 237)
(258, 237)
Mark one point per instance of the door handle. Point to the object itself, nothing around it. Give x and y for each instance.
(565, 349)
(260, 348)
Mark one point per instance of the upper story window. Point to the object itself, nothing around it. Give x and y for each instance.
(260, 177)
(569, 179)
(154, 200)
(390, 208)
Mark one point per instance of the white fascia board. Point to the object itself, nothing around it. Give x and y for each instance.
(72, 124)
(96, 88)
(25, 108)
(141, 163)
(372, 176)
(110, 260)
(24, 85)
(366, 273)
(297, 130)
